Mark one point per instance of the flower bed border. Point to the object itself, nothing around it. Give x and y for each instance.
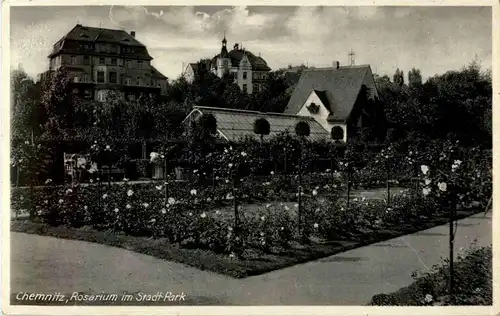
(253, 264)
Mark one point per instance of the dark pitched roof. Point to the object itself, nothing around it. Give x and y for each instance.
(338, 89)
(194, 66)
(258, 63)
(96, 34)
(156, 74)
(322, 96)
(83, 33)
(235, 124)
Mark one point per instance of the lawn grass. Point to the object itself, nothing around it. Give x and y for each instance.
(253, 263)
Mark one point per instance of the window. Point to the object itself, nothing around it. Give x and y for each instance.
(102, 61)
(101, 95)
(85, 78)
(73, 60)
(100, 76)
(139, 64)
(114, 61)
(256, 88)
(113, 48)
(113, 78)
(128, 64)
(86, 60)
(244, 75)
(88, 94)
(76, 79)
(245, 89)
(128, 81)
(337, 133)
(138, 81)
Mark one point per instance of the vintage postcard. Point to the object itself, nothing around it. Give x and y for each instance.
(248, 158)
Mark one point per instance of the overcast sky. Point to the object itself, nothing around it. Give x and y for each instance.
(433, 39)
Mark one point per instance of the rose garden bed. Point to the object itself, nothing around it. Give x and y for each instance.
(241, 224)
(254, 261)
(473, 279)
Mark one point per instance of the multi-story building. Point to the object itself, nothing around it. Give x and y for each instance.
(101, 60)
(249, 71)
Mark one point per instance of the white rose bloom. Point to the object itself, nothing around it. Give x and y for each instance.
(316, 225)
(442, 186)
(424, 169)
(426, 191)
(171, 200)
(130, 192)
(153, 156)
(193, 192)
(428, 298)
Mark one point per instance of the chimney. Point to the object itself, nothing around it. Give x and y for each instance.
(235, 47)
(336, 64)
(132, 33)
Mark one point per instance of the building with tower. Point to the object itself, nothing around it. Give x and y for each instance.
(248, 70)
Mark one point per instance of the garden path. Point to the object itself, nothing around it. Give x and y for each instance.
(45, 264)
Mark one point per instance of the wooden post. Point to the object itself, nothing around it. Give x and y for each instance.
(299, 210)
(165, 170)
(388, 183)
(109, 175)
(348, 184)
(451, 245)
(235, 196)
(32, 180)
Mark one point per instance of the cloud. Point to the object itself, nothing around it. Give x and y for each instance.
(385, 37)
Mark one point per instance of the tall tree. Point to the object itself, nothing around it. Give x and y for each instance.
(414, 78)
(398, 78)
(27, 114)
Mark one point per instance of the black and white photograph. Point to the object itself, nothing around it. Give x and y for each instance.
(248, 155)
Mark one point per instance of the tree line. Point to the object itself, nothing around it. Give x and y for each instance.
(455, 105)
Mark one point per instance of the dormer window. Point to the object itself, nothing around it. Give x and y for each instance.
(84, 35)
(313, 108)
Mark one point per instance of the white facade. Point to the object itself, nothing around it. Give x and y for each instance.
(321, 116)
(189, 74)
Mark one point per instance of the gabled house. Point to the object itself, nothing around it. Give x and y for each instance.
(341, 98)
(194, 71)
